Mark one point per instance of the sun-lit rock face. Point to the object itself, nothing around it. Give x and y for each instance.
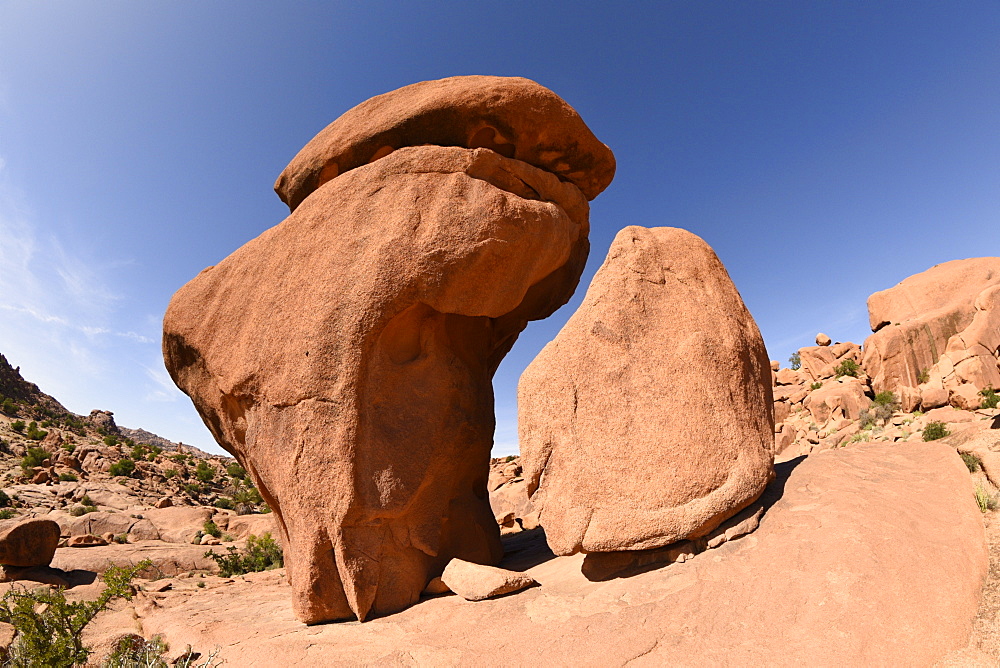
(937, 335)
(346, 356)
(649, 418)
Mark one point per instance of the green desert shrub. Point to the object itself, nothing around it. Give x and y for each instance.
(935, 430)
(111, 440)
(48, 629)
(210, 528)
(972, 462)
(34, 433)
(69, 447)
(68, 477)
(990, 398)
(80, 511)
(18, 426)
(33, 458)
(7, 513)
(985, 500)
(923, 376)
(4, 499)
(204, 472)
(8, 407)
(815, 386)
(847, 367)
(795, 362)
(169, 473)
(123, 467)
(234, 470)
(261, 554)
(224, 503)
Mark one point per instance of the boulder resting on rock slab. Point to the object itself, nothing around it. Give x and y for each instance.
(475, 582)
(345, 357)
(649, 418)
(28, 542)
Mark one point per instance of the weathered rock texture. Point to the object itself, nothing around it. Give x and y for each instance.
(345, 357)
(28, 543)
(865, 556)
(648, 419)
(936, 332)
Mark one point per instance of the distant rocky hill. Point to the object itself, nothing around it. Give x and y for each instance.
(149, 438)
(18, 390)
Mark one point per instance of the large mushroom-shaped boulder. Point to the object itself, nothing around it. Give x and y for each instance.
(648, 419)
(345, 357)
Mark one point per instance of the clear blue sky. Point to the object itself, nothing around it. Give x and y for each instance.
(824, 149)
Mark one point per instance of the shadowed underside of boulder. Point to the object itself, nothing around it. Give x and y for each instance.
(346, 356)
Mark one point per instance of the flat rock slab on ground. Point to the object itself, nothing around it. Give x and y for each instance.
(867, 555)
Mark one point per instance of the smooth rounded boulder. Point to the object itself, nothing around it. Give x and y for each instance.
(28, 542)
(649, 418)
(345, 357)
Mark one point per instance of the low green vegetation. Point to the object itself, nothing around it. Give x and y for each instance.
(80, 511)
(8, 407)
(935, 430)
(169, 473)
(236, 471)
(204, 472)
(795, 361)
(211, 529)
(224, 503)
(815, 386)
(7, 513)
(34, 433)
(847, 367)
(4, 499)
(68, 477)
(111, 440)
(985, 500)
(972, 462)
(18, 426)
(123, 467)
(990, 398)
(32, 459)
(261, 554)
(48, 629)
(923, 376)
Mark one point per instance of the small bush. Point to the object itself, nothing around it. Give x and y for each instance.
(122, 539)
(4, 499)
(260, 554)
(192, 489)
(111, 440)
(123, 467)
(236, 471)
(204, 472)
(247, 494)
(135, 652)
(211, 529)
(138, 452)
(972, 462)
(935, 430)
(8, 407)
(179, 458)
(815, 386)
(34, 458)
(151, 457)
(224, 503)
(68, 477)
(69, 447)
(18, 426)
(795, 361)
(49, 629)
(886, 398)
(985, 500)
(169, 473)
(847, 367)
(86, 500)
(79, 511)
(7, 513)
(510, 458)
(924, 376)
(34, 433)
(156, 449)
(990, 398)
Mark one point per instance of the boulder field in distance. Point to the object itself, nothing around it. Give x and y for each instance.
(355, 383)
